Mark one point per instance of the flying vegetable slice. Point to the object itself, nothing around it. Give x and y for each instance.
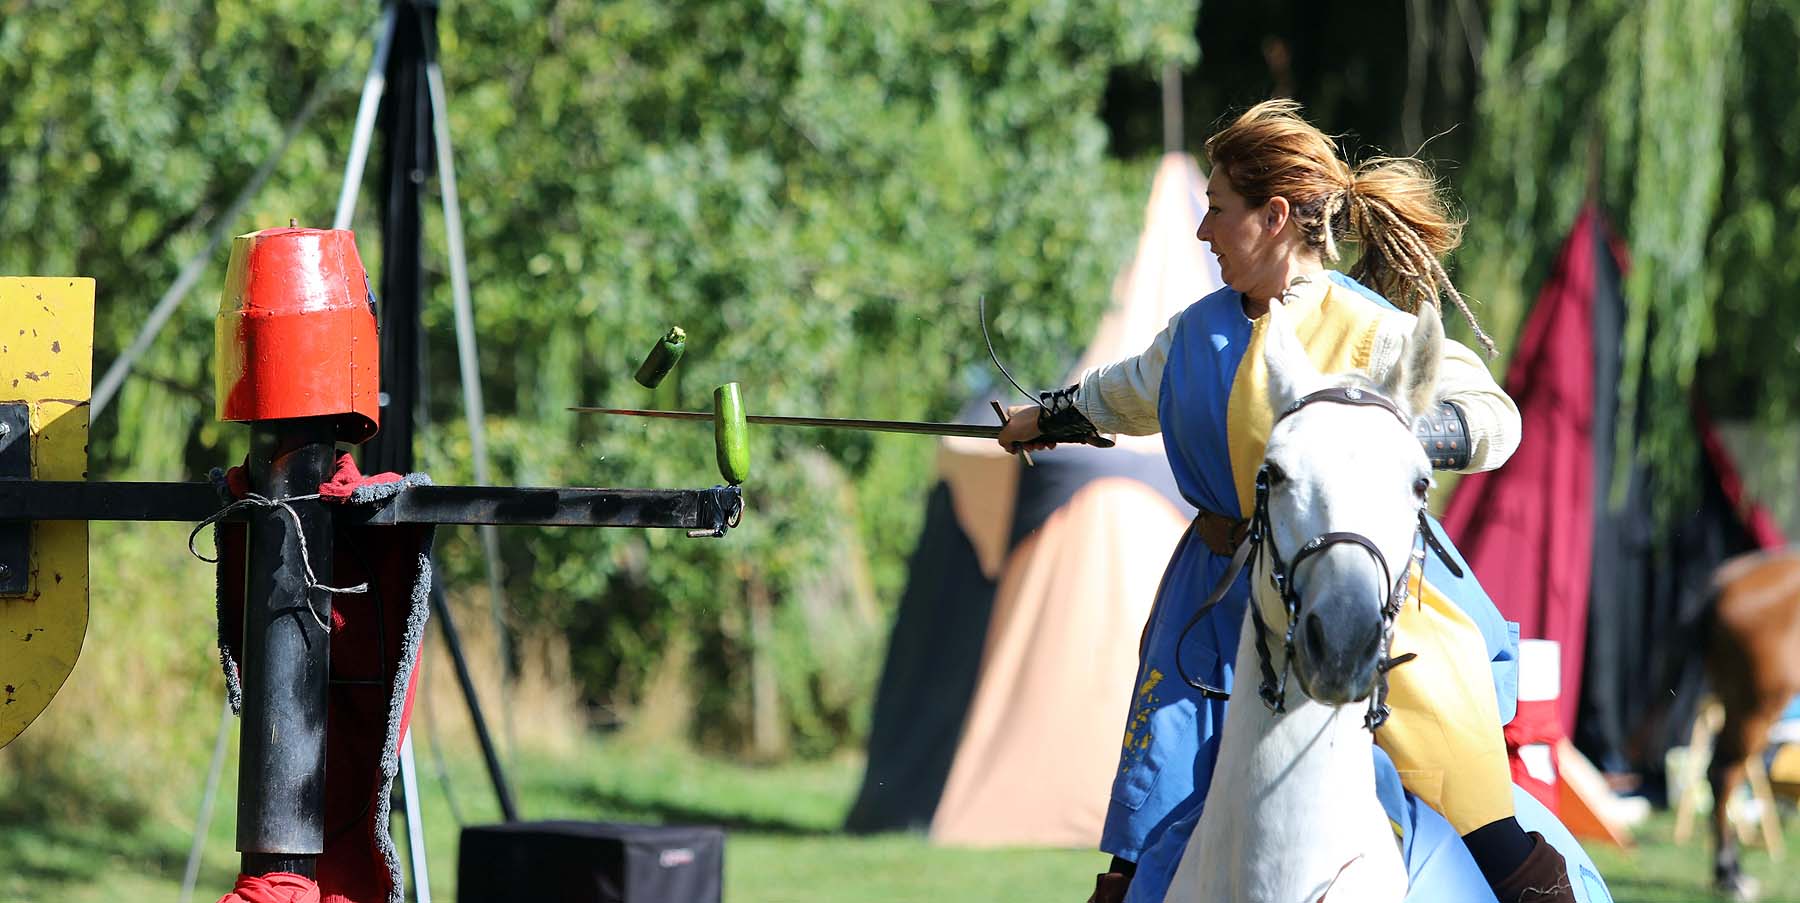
(663, 357)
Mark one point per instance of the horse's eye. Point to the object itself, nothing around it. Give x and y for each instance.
(1421, 486)
(1277, 476)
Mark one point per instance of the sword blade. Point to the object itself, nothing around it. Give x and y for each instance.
(915, 427)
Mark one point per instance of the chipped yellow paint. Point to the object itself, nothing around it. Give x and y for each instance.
(46, 361)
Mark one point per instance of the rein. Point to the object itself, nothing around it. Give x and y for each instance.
(1258, 542)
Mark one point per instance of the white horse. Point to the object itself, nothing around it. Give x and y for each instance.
(1291, 815)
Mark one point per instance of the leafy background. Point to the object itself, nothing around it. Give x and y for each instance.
(819, 192)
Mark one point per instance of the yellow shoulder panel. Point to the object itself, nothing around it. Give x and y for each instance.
(46, 362)
(1338, 332)
(1444, 734)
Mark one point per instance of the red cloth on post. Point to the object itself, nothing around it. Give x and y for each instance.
(346, 479)
(375, 641)
(280, 887)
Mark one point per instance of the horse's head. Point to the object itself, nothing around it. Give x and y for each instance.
(1346, 482)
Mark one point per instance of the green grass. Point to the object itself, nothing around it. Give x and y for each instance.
(781, 845)
(1659, 871)
(782, 842)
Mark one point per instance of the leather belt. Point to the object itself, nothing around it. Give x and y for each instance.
(1221, 534)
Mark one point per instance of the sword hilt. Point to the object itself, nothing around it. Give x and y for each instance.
(1001, 411)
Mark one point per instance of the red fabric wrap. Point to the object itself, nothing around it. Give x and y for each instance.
(346, 479)
(1535, 724)
(280, 887)
(368, 641)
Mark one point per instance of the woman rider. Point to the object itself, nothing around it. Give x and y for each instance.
(1280, 202)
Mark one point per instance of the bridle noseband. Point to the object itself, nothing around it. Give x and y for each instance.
(1259, 541)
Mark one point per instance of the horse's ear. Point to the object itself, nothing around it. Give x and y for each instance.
(1291, 372)
(1413, 380)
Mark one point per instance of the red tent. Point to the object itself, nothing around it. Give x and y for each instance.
(1550, 551)
(1533, 539)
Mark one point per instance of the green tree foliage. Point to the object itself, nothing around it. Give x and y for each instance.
(1753, 262)
(818, 192)
(1677, 117)
(818, 195)
(126, 128)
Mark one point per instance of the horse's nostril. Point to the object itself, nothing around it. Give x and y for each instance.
(1373, 647)
(1340, 637)
(1315, 636)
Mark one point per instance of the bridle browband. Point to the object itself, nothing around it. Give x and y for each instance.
(1259, 540)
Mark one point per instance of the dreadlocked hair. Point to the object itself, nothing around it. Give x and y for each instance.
(1390, 206)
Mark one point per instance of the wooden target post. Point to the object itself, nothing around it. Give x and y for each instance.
(266, 380)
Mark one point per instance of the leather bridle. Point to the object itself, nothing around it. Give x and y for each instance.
(1259, 540)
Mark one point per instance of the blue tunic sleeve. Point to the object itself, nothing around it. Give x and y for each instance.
(1438, 865)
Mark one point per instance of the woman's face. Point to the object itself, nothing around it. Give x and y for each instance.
(1239, 235)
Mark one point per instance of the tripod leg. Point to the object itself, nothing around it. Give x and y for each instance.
(466, 358)
(192, 875)
(415, 823)
(440, 612)
(373, 86)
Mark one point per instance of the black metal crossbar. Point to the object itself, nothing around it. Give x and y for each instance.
(700, 511)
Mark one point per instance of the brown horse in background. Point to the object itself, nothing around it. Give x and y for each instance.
(1752, 660)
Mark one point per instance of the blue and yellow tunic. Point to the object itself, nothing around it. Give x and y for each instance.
(1215, 421)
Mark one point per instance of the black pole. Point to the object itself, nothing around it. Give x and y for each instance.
(285, 654)
(440, 609)
(404, 121)
(408, 154)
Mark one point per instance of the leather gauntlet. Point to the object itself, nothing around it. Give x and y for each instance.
(1445, 436)
(1060, 421)
(1542, 878)
(1111, 885)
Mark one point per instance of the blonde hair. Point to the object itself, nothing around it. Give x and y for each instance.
(1391, 206)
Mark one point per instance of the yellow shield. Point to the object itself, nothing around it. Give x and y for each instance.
(46, 361)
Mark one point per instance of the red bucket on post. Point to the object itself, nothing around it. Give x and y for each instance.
(295, 335)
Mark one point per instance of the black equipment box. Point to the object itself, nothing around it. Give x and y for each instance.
(589, 862)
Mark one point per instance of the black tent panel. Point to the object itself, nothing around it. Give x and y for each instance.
(933, 660)
(1648, 593)
(1063, 471)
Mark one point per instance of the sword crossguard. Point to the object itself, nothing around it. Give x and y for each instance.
(1000, 410)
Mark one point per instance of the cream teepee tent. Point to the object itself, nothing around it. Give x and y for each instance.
(1005, 689)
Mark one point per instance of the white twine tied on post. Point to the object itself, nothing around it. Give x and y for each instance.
(253, 500)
